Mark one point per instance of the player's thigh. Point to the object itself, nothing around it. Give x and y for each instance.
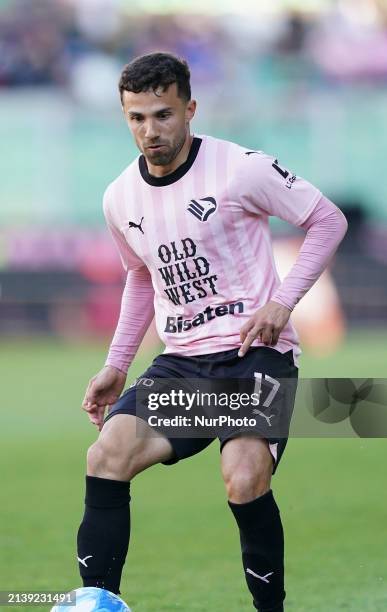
(271, 420)
(127, 445)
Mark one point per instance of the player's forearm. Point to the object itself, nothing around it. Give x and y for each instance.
(326, 227)
(136, 314)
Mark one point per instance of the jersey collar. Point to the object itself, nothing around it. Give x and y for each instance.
(168, 179)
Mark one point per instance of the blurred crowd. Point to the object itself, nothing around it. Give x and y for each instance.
(70, 50)
(57, 42)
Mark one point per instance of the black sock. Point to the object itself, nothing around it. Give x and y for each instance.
(262, 544)
(103, 536)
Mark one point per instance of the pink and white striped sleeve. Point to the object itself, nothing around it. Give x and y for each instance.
(136, 315)
(326, 227)
(137, 309)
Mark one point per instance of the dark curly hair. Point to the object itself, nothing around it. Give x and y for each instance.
(156, 70)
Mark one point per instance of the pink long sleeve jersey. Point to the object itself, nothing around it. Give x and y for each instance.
(202, 234)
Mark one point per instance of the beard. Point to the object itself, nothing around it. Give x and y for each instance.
(167, 155)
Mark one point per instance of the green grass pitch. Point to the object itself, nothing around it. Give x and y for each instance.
(184, 552)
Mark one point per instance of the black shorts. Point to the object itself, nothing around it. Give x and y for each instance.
(226, 366)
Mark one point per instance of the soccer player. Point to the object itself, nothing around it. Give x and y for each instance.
(190, 219)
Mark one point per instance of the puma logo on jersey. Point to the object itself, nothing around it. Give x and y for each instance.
(203, 208)
(138, 225)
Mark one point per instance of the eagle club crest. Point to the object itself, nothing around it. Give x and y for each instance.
(202, 209)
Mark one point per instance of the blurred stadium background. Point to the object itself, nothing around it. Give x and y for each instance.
(305, 81)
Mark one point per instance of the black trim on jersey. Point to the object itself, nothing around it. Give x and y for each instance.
(168, 179)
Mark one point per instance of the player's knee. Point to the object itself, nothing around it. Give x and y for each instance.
(105, 461)
(246, 482)
(94, 459)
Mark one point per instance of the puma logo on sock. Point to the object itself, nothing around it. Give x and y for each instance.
(264, 578)
(83, 561)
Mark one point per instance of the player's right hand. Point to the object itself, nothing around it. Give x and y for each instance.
(103, 390)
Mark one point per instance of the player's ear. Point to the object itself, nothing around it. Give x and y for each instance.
(122, 100)
(190, 110)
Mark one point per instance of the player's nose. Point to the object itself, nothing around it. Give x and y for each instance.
(150, 132)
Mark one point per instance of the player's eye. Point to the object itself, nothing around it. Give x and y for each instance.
(163, 115)
(136, 118)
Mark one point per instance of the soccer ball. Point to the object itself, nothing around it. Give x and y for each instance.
(92, 599)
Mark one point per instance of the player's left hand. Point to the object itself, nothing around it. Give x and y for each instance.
(267, 324)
